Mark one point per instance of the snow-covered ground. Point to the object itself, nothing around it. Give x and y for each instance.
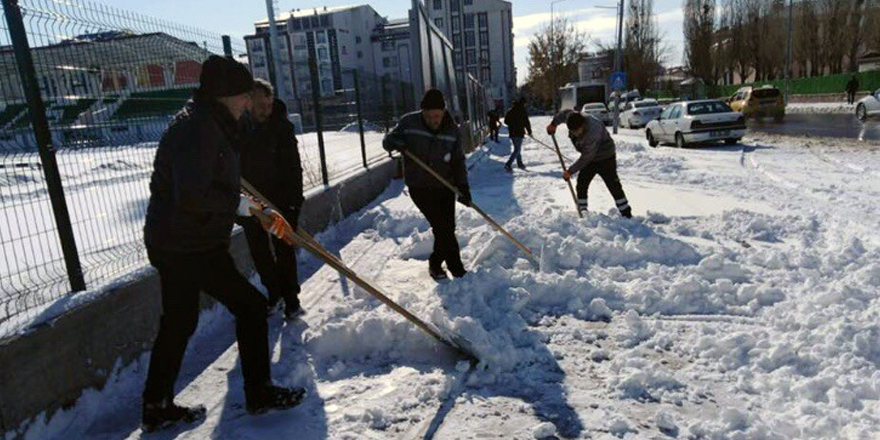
(107, 190)
(821, 108)
(740, 303)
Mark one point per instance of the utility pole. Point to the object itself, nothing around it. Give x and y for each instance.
(280, 88)
(618, 63)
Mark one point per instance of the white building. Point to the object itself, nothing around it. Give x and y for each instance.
(337, 38)
(481, 32)
(391, 48)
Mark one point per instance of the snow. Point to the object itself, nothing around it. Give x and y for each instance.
(740, 303)
(821, 108)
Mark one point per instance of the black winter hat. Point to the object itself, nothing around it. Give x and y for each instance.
(223, 76)
(433, 100)
(575, 121)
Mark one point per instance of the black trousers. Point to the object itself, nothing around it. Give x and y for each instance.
(182, 276)
(277, 269)
(607, 169)
(850, 97)
(438, 206)
(493, 134)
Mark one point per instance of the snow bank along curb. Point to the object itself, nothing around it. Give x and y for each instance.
(50, 366)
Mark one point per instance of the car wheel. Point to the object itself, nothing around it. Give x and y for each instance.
(862, 112)
(651, 141)
(679, 140)
(731, 141)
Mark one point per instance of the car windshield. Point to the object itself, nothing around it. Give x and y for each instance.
(708, 107)
(594, 107)
(643, 104)
(766, 93)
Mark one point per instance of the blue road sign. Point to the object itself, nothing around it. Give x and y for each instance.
(618, 81)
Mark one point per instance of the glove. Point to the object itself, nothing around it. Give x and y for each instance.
(464, 196)
(551, 129)
(245, 204)
(279, 226)
(566, 175)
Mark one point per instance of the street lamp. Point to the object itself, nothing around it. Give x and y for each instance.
(618, 58)
(552, 51)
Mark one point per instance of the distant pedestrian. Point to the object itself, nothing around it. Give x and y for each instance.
(432, 136)
(494, 124)
(598, 156)
(852, 87)
(517, 121)
(194, 197)
(270, 162)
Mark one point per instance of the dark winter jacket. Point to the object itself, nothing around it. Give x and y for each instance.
(270, 159)
(852, 86)
(494, 119)
(517, 121)
(441, 150)
(194, 189)
(594, 145)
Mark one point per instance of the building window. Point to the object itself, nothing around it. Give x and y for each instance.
(438, 21)
(257, 45)
(344, 50)
(321, 37)
(389, 62)
(468, 21)
(387, 46)
(438, 4)
(357, 40)
(484, 38)
(325, 20)
(457, 59)
(484, 55)
(483, 19)
(472, 70)
(471, 56)
(360, 54)
(456, 40)
(455, 5)
(323, 54)
(297, 24)
(314, 21)
(469, 39)
(485, 75)
(468, 2)
(456, 25)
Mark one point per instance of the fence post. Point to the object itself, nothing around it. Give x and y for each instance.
(386, 114)
(43, 135)
(357, 98)
(316, 84)
(227, 46)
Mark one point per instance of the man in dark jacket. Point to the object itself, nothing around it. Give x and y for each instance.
(194, 197)
(598, 156)
(432, 136)
(271, 163)
(517, 120)
(852, 87)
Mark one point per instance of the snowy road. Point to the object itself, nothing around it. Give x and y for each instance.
(740, 303)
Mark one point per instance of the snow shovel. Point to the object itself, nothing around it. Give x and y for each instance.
(473, 205)
(302, 239)
(562, 162)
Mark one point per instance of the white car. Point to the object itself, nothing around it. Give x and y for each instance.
(695, 122)
(598, 110)
(868, 106)
(637, 114)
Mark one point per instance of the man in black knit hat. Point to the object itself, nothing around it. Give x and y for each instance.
(432, 136)
(194, 198)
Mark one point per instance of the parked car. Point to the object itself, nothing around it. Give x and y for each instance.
(637, 114)
(759, 102)
(694, 122)
(868, 106)
(598, 110)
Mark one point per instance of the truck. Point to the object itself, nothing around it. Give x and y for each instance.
(575, 95)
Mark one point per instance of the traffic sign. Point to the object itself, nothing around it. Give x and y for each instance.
(618, 81)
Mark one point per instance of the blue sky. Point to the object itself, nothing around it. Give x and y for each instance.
(236, 17)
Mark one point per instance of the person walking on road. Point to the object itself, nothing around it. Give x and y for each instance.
(194, 197)
(432, 136)
(270, 161)
(494, 124)
(598, 156)
(517, 121)
(852, 87)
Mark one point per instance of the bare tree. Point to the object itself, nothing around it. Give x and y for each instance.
(855, 35)
(554, 53)
(643, 46)
(699, 30)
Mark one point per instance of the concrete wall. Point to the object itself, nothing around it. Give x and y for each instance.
(49, 367)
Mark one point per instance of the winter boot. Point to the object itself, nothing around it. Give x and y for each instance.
(522, 167)
(275, 398)
(508, 168)
(627, 213)
(161, 415)
(437, 273)
(292, 307)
